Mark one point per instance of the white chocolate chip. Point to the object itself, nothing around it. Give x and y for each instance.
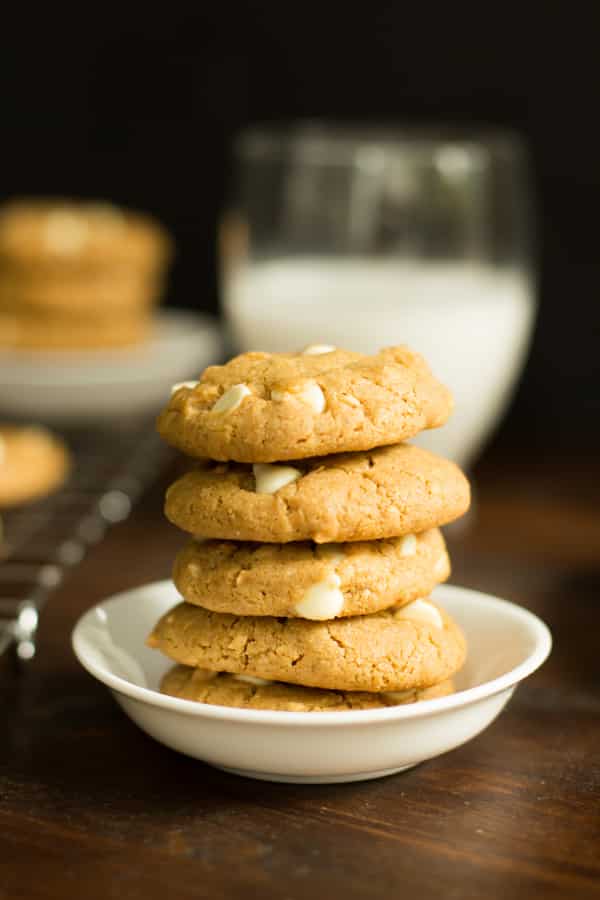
(318, 349)
(269, 478)
(323, 600)
(252, 679)
(408, 545)
(183, 384)
(331, 552)
(232, 398)
(421, 611)
(441, 566)
(314, 396)
(65, 233)
(309, 393)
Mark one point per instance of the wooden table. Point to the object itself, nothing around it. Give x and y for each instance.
(92, 808)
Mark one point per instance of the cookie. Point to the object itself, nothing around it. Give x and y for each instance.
(67, 234)
(105, 293)
(308, 580)
(268, 407)
(395, 650)
(388, 492)
(67, 332)
(222, 689)
(33, 462)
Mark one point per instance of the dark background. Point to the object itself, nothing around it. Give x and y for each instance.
(141, 111)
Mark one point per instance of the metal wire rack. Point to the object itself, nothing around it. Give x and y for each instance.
(42, 541)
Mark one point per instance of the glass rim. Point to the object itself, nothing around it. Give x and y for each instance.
(325, 142)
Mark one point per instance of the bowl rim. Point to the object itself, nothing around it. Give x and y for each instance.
(533, 624)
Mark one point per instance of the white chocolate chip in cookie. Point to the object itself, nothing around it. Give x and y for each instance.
(318, 349)
(252, 679)
(314, 396)
(270, 478)
(183, 384)
(309, 392)
(323, 600)
(408, 545)
(421, 611)
(232, 398)
(331, 552)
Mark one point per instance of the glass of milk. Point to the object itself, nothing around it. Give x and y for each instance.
(366, 238)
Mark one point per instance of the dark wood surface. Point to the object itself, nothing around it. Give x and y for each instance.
(90, 807)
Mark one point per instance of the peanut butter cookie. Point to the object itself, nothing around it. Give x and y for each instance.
(388, 492)
(267, 407)
(395, 650)
(310, 581)
(244, 691)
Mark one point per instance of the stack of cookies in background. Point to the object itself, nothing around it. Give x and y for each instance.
(315, 534)
(78, 275)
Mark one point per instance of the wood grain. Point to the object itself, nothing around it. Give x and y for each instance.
(90, 807)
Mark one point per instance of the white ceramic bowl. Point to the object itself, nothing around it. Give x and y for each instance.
(506, 644)
(98, 385)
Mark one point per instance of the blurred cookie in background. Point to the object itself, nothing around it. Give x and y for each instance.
(66, 331)
(78, 275)
(33, 463)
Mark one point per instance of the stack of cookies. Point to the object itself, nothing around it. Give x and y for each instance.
(315, 541)
(78, 275)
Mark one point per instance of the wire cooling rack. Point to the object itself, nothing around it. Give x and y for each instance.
(42, 541)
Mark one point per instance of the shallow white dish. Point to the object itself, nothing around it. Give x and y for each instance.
(101, 384)
(506, 644)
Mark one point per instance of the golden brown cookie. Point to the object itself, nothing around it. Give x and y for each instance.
(64, 233)
(267, 407)
(33, 462)
(108, 292)
(222, 689)
(67, 332)
(395, 650)
(388, 492)
(311, 581)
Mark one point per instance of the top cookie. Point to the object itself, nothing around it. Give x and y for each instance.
(64, 233)
(267, 407)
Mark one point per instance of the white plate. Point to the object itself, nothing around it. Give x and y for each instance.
(101, 384)
(506, 644)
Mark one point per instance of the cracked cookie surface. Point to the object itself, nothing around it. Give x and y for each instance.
(385, 651)
(223, 689)
(267, 407)
(281, 579)
(388, 492)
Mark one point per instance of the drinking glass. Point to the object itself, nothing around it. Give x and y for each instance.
(364, 238)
